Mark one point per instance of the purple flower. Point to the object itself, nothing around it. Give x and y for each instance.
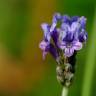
(48, 47)
(70, 47)
(55, 36)
(69, 37)
(44, 46)
(83, 36)
(45, 43)
(72, 34)
(82, 21)
(69, 20)
(53, 51)
(55, 20)
(46, 29)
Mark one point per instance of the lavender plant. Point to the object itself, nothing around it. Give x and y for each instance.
(63, 39)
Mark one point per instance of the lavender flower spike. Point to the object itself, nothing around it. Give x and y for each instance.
(63, 43)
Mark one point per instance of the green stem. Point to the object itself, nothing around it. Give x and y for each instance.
(65, 91)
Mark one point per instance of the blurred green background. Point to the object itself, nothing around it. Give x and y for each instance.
(22, 70)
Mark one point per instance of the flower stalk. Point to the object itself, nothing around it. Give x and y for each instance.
(63, 43)
(65, 91)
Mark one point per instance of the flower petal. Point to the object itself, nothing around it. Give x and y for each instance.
(43, 45)
(83, 21)
(62, 35)
(75, 26)
(65, 27)
(69, 37)
(55, 36)
(77, 45)
(62, 45)
(74, 18)
(53, 51)
(56, 18)
(46, 29)
(69, 52)
(66, 19)
(83, 36)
